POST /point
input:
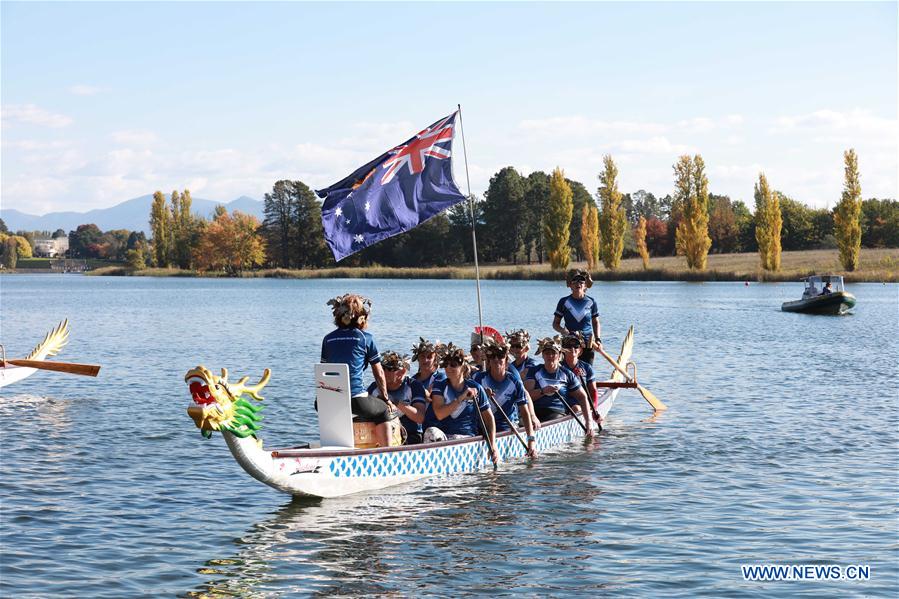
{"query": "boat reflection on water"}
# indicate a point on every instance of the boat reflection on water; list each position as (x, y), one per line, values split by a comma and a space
(406, 539)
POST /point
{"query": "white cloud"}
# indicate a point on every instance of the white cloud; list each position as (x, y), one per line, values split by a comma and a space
(857, 119)
(851, 129)
(33, 115)
(703, 124)
(31, 145)
(653, 145)
(84, 90)
(583, 127)
(736, 171)
(134, 137)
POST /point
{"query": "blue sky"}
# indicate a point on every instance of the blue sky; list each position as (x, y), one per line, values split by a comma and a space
(103, 102)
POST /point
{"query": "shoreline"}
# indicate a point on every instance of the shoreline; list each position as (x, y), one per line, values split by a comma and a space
(876, 266)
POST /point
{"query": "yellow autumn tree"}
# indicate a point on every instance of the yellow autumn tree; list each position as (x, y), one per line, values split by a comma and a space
(230, 243)
(640, 240)
(590, 234)
(847, 214)
(557, 221)
(612, 219)
(691, 191)
(768, 224)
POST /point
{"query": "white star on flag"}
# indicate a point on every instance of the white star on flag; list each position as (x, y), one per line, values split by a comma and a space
(358, 239)
(367, 205)
(346, 221)
(339, 212)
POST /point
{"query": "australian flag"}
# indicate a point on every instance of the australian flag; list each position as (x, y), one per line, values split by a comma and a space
(393, 193)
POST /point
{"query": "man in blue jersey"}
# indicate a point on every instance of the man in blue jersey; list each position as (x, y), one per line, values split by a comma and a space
(579, 312)
(547, 382)
(404, 392)
(456, 402)
(506, 392)
(349, 344)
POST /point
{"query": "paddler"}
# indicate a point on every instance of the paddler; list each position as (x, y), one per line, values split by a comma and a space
(547, 382)
(519, 342)
(404, 392)
(504, 386)
(572, 346)
(427, 355)
(456, 402)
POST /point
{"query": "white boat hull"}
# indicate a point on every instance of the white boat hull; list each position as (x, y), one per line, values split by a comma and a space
(12, 374)
(333, 472)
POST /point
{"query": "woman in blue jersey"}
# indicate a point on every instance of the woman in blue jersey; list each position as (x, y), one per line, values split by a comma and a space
(545, 383)
(579, 312)
(349, 344)
(456, 402)
(404, 392)
(572, 345)
(519, 342)
(427, 355)
(507, 392)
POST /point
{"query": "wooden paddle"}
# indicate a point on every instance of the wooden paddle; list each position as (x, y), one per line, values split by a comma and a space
(474, 401)
(509, 421)
(573, 413)
(69, 367)
(647, 395)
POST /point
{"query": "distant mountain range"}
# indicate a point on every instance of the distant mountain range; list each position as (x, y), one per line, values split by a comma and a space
(133, 215)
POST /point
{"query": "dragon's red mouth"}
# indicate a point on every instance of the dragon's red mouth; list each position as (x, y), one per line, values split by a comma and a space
(199, 392)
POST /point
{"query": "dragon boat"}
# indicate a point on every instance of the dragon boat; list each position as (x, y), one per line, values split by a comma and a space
(54, 341)
(335, 467)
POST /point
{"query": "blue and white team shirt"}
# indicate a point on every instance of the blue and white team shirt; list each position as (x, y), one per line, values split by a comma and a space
(429, 382)
(509, 393)
(352, 347)
(409, 392)
(464, 420)
(562, 378)
(525, 366)
(578, 314)
(584, 373)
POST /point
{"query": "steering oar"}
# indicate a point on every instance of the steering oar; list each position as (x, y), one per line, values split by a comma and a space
(69, 367)
(655, 402)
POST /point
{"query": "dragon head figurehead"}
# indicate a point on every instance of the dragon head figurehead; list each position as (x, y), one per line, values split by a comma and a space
(219, 406)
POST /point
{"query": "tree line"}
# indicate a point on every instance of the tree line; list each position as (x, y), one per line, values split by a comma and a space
(520, 219)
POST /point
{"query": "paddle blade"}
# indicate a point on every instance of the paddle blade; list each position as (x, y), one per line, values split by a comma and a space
(654, 401)
(83, 369)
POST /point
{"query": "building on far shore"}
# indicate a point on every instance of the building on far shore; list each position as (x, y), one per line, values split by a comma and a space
(50, 248)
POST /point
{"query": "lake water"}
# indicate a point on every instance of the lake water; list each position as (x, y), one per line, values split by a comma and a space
(781, 446)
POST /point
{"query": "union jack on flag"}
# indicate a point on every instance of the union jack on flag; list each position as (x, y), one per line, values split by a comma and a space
(414, 152)
(395, 192)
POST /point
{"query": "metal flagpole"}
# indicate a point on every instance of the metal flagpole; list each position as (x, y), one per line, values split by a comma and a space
(474, 237)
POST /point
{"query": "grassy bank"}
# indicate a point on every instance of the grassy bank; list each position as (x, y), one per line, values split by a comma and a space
(877, 265)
